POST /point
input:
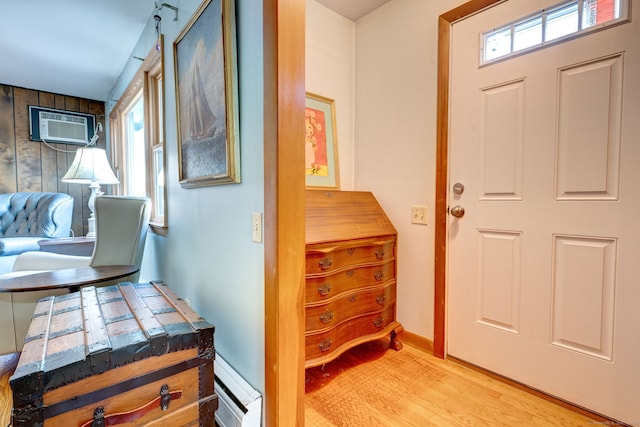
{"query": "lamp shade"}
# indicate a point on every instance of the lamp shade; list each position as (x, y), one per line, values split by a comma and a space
(90, 165)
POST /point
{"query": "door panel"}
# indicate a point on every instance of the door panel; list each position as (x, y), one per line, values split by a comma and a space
(589, 126)
(499, 283)
(501, 139)
(543, 266)
(583, 288)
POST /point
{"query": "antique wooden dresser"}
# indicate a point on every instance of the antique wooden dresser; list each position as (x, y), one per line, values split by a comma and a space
(128, 354)
(350, 295)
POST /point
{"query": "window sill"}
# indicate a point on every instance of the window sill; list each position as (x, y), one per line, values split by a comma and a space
(159, 229)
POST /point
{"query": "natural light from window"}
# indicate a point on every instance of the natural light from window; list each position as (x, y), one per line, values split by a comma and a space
(136, 149)
(563, 21)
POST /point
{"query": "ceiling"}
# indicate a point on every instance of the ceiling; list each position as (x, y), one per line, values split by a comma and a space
(353, 9)
(71, 47)
(79, 47)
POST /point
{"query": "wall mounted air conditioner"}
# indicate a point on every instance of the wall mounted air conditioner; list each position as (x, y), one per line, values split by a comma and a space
(57, 126)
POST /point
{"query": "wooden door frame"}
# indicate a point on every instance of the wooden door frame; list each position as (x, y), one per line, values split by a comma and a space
(445, 21)
(284, 93)
(284, 237)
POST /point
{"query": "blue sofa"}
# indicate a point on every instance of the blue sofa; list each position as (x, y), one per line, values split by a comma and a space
(26, 218)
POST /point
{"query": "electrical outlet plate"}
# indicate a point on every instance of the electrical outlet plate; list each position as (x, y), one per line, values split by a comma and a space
(419, 215)
(256, 227)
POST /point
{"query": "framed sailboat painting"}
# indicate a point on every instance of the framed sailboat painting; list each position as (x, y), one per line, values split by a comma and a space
(206, 81)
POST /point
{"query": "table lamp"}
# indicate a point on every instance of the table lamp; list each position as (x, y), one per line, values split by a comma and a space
(90, 166)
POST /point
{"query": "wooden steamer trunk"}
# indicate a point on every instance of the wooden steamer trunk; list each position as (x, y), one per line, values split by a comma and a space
(128, 355)
(350, 294)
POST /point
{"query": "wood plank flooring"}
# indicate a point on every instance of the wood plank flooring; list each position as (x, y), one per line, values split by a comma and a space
(8, 364)
(372, 386)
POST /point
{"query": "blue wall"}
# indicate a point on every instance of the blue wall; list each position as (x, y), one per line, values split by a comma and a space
(208, 256)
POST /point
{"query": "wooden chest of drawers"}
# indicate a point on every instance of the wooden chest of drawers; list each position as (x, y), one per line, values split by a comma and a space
(350, 295)
(129, 354)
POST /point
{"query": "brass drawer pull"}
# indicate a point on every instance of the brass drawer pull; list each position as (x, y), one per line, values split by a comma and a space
(352, 298)
(378, 322)
(381, 299)
(378, 275)
(325, 263)
(350, 273)
(324, 289)
(326, 317)
(325, 345)
(350, 251)
(380, 253)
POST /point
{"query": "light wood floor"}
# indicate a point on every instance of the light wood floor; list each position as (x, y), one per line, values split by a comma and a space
(372, 386)
(7, 366)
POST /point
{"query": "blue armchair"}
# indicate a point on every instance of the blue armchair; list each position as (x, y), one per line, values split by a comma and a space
(26, 218)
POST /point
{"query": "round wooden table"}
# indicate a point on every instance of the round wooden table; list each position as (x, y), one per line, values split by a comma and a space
(71, 278)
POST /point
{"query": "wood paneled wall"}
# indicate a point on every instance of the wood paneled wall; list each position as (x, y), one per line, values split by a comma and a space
(27, 165)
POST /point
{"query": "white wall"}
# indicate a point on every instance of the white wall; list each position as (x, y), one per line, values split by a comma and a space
(208, 256)
(394, 113)
(395, 139)
(329, 71)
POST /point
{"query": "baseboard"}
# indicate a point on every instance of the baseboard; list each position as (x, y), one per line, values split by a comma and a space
(415, 340)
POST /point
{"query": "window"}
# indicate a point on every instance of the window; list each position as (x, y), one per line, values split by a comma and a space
(137, 137)
(561, 22)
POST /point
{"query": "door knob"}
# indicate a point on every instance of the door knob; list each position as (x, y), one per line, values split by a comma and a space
(457, 211)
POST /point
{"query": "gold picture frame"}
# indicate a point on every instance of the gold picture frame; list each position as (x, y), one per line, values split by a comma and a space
(321, 143)
(206, 83)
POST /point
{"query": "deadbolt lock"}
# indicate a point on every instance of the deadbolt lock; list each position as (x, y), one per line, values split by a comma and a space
(458, 188)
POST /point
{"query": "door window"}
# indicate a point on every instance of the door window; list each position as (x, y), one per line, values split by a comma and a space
(559, 23)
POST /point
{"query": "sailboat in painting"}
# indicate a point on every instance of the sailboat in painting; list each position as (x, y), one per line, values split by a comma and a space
(203, 121)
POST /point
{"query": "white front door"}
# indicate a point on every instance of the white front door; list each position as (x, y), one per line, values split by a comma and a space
(544, 266)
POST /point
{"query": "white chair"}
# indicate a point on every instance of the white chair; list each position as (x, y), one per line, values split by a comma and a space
(121, 230)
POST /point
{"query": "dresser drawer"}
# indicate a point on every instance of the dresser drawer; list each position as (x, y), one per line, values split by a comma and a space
(325, 259)
(349, 305)
(324, 288)
(348, 334)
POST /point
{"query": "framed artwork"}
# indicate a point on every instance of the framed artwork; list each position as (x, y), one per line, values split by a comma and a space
(207, 97)
(321, 145)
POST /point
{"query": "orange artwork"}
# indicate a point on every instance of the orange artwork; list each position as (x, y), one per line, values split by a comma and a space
(315, 143)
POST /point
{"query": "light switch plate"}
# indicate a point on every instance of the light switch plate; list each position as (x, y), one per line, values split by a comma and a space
(419, 215)
(256, 227)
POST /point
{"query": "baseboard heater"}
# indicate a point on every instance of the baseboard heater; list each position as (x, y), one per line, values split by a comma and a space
(239, 404)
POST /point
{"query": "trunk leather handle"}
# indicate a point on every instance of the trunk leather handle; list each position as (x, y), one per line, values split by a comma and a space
(162, 401)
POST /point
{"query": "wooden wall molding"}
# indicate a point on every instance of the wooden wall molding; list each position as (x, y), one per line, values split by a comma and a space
(284, 221)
